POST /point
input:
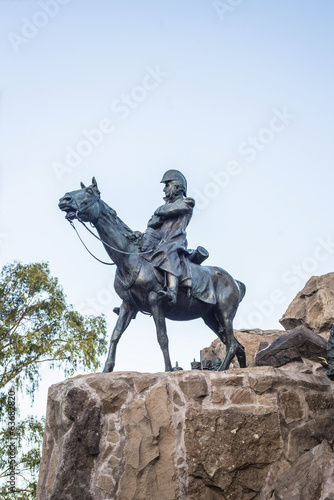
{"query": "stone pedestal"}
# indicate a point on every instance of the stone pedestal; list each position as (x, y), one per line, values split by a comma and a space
(187, 435)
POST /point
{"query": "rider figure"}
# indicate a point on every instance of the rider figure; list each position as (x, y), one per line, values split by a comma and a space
(166, 235)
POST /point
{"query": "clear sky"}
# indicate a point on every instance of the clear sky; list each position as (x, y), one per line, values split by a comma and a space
(238, 95)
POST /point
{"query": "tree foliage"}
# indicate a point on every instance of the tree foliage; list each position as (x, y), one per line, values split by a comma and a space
(29, 437)
(38, 326)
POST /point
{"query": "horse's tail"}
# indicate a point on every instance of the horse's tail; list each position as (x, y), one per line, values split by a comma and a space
(242, 288)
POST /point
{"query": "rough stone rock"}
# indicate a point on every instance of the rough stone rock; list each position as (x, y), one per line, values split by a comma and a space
(313, 307)
(250, 339)
(76, 421)
(296, 345)
(221, 443)
(185, 435)
(310, 477)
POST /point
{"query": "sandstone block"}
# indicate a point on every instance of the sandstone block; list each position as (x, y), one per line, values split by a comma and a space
(242, 396)
(292, 406)
(113, 393)
(309, 434)
(195, 386)
(222, 443)
(317, 403)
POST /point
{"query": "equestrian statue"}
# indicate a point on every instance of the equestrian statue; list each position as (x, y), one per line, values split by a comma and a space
(156, 273)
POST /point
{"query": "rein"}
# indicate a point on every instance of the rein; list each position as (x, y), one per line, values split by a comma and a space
(96, 258)
(100, 239)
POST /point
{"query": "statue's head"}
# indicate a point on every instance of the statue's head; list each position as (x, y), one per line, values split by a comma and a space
(175, 184)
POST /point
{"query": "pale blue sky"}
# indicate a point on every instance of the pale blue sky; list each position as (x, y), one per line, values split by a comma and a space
(221, 83)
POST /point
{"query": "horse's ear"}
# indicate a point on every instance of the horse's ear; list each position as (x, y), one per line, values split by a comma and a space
(94, 184)
(82, 185)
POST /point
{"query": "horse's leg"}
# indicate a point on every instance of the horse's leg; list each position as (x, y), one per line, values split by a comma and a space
(233, 347)
(230, 340)
(160, 324)
(126, 314)
(211, 321)
(241, 355)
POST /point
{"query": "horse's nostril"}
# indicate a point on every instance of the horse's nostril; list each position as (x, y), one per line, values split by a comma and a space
(66, 199)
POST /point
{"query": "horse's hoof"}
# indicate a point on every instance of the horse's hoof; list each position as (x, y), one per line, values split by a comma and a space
(107, 369)
(223, 368)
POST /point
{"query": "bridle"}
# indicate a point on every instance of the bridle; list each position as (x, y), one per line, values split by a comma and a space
(84, 207)
(95, 199)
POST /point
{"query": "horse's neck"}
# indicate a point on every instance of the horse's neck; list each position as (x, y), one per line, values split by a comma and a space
(114, 232)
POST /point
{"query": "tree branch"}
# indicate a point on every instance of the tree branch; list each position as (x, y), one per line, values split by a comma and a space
(33, 333)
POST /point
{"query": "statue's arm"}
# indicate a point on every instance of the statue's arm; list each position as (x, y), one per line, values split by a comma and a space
(154, 222)
(179, 207)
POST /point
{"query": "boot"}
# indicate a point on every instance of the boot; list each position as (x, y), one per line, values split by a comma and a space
(171, 293)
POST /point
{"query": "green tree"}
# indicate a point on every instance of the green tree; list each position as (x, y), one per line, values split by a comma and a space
(37, 326)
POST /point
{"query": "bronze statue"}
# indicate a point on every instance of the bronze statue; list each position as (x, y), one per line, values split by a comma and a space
(156, 273)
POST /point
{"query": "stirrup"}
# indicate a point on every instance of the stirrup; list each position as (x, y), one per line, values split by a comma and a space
(170, 295)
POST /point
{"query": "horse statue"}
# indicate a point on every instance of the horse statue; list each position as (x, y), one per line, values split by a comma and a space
(137, 283)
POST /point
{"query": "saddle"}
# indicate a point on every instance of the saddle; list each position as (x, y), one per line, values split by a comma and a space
(202, 286)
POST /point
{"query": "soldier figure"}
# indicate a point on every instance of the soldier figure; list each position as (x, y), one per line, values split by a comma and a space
(166, 235)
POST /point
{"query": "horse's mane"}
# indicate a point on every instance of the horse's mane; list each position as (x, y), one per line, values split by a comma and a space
(126, 231)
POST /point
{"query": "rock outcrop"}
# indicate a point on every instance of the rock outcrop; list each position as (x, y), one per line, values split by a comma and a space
(313, 307)
(250, 339)
(297, 345)
(237, 435)
(310, 477)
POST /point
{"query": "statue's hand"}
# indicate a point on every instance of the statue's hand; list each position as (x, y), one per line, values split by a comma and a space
(136, 236)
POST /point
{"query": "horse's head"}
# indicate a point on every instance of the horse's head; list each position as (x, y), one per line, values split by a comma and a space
(83, 203)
